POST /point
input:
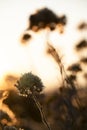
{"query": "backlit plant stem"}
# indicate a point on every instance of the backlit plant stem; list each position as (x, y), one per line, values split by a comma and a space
(41, 112)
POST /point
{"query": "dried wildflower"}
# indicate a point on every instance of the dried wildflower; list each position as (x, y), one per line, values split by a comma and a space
(75, 68)
(82, 44)
(45, 18)
(82, 26)
(72, 77)
(29, 83)
(84, 60)
(26, 36)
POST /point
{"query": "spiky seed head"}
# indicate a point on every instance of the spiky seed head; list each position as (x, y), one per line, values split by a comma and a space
(29, 83)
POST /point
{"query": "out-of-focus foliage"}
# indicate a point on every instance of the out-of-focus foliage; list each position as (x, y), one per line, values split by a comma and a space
(45, 18)
(64, 109)
(81, 45)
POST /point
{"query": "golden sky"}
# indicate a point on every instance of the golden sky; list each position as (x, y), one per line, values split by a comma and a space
(15, 58)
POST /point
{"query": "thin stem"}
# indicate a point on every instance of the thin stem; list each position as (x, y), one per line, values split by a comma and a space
(41, 112)
(53, 52)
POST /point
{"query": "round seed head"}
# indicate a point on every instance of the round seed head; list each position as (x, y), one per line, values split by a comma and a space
(29, 83)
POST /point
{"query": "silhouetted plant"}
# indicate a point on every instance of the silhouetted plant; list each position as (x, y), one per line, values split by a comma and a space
(45, 18)
(31, 84)
(26, 37)
(81, 45)
(82, 26)
(84, 60)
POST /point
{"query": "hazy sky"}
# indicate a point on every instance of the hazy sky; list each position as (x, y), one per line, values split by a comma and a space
(14, 16)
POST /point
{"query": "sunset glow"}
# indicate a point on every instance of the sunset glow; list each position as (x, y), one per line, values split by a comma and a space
(17, 59)
(43, 64)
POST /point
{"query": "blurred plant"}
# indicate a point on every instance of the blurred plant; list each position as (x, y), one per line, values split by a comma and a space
(81, 45)
(45, 18)
(10, 128)
(30, 84)
(82, 26)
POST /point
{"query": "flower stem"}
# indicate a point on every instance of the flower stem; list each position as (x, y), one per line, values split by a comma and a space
(41, 112)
